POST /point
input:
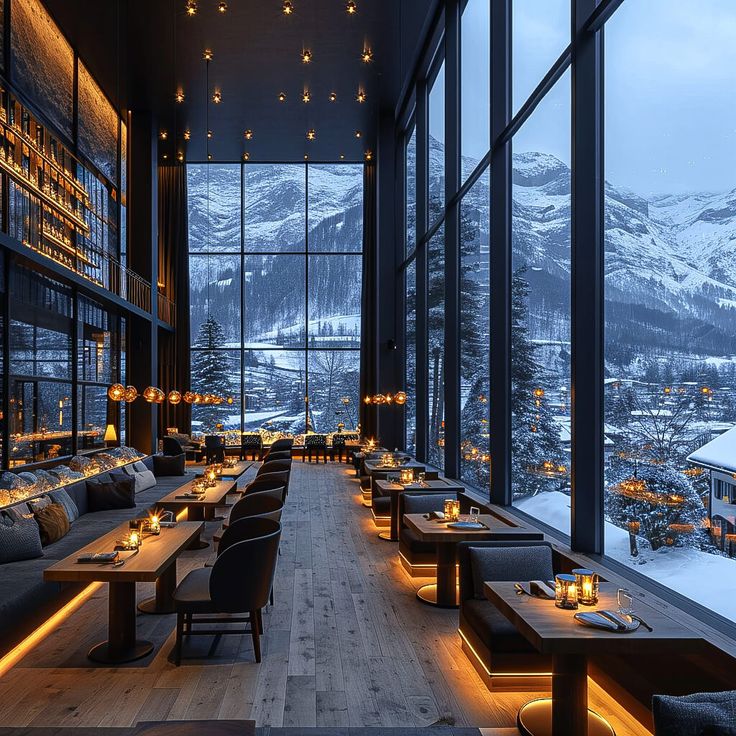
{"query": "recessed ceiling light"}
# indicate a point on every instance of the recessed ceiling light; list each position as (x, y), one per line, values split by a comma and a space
(287, 8)
(367, 56)
(311, 134)
(222, 6)
(351, 8)
(306, 56)
(207, 55)
(248, 134)
(369, 155)
(217, 97)
(179, 96)
(358, 134)
(163, 135)
(333, 96)
(282, 96)
(246, 156)
(360, 97)
(191, 8)
(306, 97)
(187, 134)
(209, 134)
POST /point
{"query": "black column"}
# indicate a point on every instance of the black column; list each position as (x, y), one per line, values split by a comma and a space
(500, 254)
(587, 283)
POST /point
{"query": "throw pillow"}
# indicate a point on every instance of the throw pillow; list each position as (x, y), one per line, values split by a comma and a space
(114, 494)
(20, 539)
(139, 467)
(169, 465)
(38, 503)
(53, 523)
(61, 497)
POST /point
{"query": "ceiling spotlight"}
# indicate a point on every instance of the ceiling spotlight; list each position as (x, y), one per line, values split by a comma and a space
(360, 97)
(342, 157)
(179, 96)
(287, 8)
(217, 97)
(306, 56)
(209, 157)
(163, 135)
(369, 155)
(333, 96)
(306, 97)
(351, 8)
(248, 134)
(367, 56)
(209, 134)
(282, 96)
(207, 55)
(191, 8)
(306, 156)
(187, 134)
(180, 156)
(246, 156)
(222, 6)
(358, 134)
(311, 134)
(165, 156)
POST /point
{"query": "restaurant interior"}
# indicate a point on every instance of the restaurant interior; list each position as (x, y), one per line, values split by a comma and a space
(367, 367)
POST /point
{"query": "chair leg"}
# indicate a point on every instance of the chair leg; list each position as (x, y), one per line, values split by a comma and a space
(255, 633)
(259, 614)
(179, 636)
(271, 598)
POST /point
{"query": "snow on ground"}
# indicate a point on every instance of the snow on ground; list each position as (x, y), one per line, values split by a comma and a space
(705, 578)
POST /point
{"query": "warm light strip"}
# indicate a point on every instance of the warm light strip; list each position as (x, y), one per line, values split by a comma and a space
(499, 674)
(183, 515)
(29, 643)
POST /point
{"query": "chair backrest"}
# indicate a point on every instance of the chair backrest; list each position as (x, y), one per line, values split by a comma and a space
(277, 493)
(283, 444)
(338, 440)
(279, 455)
(171, 446)
(422, 502)
(251, 439)
(245, 527)
(213, 442)
(274, 466)
(315, 440)
(281, 477)
(257, 504)
(266, 483)
(242, 575)
(502, 561)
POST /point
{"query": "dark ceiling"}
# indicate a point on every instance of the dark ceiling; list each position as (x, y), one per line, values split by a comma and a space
(256, 55)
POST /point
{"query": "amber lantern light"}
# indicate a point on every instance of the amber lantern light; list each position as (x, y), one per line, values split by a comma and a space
(406, 476)
(587, 586)
(566, 591)
(400, 398)
(174, 397)
(116, 392)
(131, 394)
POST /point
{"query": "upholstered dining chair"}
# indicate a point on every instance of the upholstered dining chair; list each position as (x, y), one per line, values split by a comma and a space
(256, 504)
(286, 443)
(281, 477)
(315, 444)
(214, 448)
(238, 583)
(171, 446)
(278, 455)
(274, 466)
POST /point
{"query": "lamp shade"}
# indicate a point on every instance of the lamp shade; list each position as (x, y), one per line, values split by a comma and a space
(131, 394)
(116, 392)
(110, 434)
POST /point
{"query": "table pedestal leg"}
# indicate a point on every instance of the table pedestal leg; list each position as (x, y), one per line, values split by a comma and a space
(443, 593)
(566, 713)
(163, 601)
(121, 645)
(197, 513)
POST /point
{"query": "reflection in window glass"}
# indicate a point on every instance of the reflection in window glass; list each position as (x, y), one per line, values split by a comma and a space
(411, 357)
(540, 311)
(436, 348)
(475, 85)
(213, 192)
(218, 372)
(334, 301)
(274, 391)
(670, 389)
(214, 290)
(475, 335)
(437, 146)
(98, 125)
(334, 390)
(92, 418)
(335, 208)
(411, 192)
(540, 33)
(274, 207)
(274, 301)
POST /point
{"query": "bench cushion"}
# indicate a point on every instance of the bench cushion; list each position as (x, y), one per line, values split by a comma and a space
(493, 628)
(690, 715)
(509, 563)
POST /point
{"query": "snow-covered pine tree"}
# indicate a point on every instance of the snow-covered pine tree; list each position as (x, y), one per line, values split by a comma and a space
(535, 438)
(211, 373)
(474, 444)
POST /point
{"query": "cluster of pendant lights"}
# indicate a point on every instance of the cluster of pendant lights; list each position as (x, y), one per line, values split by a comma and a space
(399, 398)
(287, 8)
(154, 395)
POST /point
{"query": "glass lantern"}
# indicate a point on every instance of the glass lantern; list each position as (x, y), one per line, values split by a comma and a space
(566, 591)
(587, 586)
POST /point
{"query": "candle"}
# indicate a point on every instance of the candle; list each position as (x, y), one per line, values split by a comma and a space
(154, 524)
(406, 476)
(587, 586)
(566, 591)
(134, 540)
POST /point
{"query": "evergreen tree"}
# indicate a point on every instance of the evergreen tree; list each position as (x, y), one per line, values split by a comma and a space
(474, 446)
(211, 374)
(537, 457)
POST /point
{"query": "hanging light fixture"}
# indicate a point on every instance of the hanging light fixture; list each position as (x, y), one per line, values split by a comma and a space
(179, 96)
(367, 55)
(360, 96)
(187, 134)
(174, 397)
(306, 56)
(306, 96)
(287, 8)
(151, 394)
(217, 97)
(189, 397)
(222, 7)
(207, 55)
(191, 8)
(358, 134)
(163, 135)
(311, 134)
(209, 135)
(333, 96)
(369, 155)
(351, 8)
(246, 156)
(116, 392)
(248, 135)
(131, 394)
(282, 96)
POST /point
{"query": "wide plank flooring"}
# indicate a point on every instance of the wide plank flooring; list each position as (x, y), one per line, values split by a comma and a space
(347, 644)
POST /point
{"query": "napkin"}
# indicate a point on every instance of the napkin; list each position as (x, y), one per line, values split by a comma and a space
(607, 620)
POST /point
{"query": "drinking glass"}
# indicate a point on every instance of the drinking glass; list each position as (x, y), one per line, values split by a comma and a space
(420, 478)
(625, 602)
(474, 514)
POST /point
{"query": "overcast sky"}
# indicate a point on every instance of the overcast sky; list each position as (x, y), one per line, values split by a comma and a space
(670, 90)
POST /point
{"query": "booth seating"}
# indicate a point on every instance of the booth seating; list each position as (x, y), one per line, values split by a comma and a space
(417, 557)
(501, 655)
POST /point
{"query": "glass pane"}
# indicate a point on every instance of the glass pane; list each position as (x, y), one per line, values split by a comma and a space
(436, 354)
(334, 390)
(214, 207)
(98, 126)
(670, 294)
(98, 346)
(92, 417)
(437, 146)
(540, 312)
(214, 290)
(217, 372)
(411, 192)
(274, 301)
(540, 33)
(275, 389)
(274, 204)
(334, 301)
(475, 85)
(335, 210)
(411, 358)
(475, 335)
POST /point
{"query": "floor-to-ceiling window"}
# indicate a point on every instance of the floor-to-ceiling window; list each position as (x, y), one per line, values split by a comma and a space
(410, 287)
(275, 289)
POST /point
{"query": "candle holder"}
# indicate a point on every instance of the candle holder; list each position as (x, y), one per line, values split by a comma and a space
(406, 476)
(153, 525)
(452, 509)
(587, 586)
(566, 591)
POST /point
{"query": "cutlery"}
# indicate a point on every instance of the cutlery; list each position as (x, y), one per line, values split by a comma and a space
(642, 622)
(610, 617)
(121, 562)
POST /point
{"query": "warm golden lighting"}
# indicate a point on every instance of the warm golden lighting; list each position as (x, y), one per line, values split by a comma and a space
(333, 96)
(306, 97)
(222, 7)
(187, 134)
(400, 398)
(311, 134)
(209, 134)
(406, 476)
(153, 395)
(342, 157)
(358, 134)
(367, 55)
(246, 156)
(230, 400)
(110, 434)
(217, 97)
(351, 8)
(587, 586)
(179, 96)
(131, 394)
(306, 156)
(566, 591)
(248, 134)
(209, 157)
(189, 397)
(180, 156)
(116, 392)
(207, 55)
(154, 524)
(163, 135)
(369, 155)
(174, 397)
(282, 96)
(360, 97)
(191, 8)
(306, 56)
(287, 8)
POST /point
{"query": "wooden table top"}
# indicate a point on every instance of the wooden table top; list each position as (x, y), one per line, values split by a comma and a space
(237, 470)
(553, 630)
(438, 531)
(438, 484)
(211, 497)
(154, 556)
(373, 466)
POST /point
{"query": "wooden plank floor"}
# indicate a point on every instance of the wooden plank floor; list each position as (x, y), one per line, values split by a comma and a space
(346, 644)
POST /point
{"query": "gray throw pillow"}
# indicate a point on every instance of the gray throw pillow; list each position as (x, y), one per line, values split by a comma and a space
(691, 715)
(61, 497)
(139, 467)
(41, 502)
(20, 539)
(509, 564)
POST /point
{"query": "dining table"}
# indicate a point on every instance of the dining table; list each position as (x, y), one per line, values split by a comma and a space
(555, 631)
